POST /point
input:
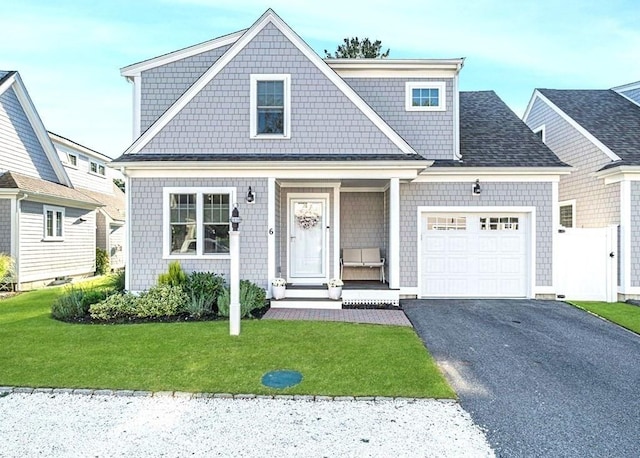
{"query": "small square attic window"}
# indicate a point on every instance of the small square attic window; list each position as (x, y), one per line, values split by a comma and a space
(425, 96)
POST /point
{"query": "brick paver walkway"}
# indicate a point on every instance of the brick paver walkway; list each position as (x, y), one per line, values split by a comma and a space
(388, 317)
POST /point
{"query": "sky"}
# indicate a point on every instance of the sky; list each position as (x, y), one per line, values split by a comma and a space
(69, 52)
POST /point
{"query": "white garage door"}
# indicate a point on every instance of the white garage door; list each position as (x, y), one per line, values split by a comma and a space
(474, 255)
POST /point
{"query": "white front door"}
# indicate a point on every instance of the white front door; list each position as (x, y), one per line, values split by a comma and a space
(308, 240)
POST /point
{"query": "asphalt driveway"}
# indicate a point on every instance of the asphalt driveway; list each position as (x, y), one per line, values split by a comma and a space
(542, 377)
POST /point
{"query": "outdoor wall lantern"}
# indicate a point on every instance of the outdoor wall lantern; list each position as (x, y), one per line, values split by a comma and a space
(477, 190)
(251, 197)
(235, 218)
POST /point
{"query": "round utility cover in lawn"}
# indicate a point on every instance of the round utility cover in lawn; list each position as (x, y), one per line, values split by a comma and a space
(281, 379)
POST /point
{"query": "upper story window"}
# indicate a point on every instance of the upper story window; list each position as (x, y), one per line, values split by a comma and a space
(197, 221)
(97, 168)
(53, 223)
(425, 96)
(270, 106)
(72, 160)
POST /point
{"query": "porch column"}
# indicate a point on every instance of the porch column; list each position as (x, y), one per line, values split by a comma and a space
(271, 233)
(394, 233)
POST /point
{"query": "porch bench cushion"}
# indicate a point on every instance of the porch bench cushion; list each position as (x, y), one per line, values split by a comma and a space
(362, 257)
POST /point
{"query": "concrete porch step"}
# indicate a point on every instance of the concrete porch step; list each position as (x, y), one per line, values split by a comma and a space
(306, 303)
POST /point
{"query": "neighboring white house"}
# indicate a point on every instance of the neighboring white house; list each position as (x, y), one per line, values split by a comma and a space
(46, 225)
(320, 156)
(598, 133)
(89, 173)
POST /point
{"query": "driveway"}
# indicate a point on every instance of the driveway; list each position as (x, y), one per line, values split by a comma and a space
(542, 377)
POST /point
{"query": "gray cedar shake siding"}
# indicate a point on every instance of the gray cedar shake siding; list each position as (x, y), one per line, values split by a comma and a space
(146, 220)
(635, 233)
(284, 219)
(593, 198)
(5, 226)
(429, 132)
(323, 119)
(162, 86)
(534, 194)
(43, 260)
(20, 150)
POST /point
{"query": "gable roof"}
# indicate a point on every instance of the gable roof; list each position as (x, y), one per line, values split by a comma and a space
(491, 135)
(611, 118)
(43, 188)
(113, 203)
(78, 147)
(12, 80)
(269, 17)
(137, 68)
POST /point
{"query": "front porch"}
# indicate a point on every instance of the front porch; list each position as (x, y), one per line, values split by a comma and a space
(315, 222)
(354, 292)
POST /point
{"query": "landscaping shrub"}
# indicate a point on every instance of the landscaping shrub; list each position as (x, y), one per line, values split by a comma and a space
(161, 301)
(119, 281)
(6, 267)
(202, 289)
(70, 306)
(252, 297)
(174, 277)
(114, 307)
(103, 265)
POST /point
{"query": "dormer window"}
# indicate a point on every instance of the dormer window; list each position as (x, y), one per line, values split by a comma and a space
(97, 168)
(270, 106)
(72, 160)
(425, 96)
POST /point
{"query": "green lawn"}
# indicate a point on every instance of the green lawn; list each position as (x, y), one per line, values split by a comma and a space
(626, 315)
(334, 358)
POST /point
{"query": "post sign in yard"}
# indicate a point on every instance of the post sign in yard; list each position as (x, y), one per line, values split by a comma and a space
(586, 264)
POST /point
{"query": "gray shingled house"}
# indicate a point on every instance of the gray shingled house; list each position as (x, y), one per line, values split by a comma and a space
(598, 133)
(330, 162)
(47, 226)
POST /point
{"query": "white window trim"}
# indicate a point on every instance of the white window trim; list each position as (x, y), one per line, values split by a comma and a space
(253, 118)
(166, 220)
(53, 238)
(566, 203)
(440, 85)
(543, 129)
(98, 164)
(69, 163)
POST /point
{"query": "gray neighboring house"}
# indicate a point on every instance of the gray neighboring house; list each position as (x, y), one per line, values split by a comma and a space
(320, 156)
(598, 133)
(46, 225)
(89, 173)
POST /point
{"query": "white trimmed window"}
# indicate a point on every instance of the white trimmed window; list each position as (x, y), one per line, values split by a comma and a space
(72, 160)
(425, 96)
(53, 223)
(196, 222)
(568, 213)
(97, 168)
(270, 106)
(502, 223)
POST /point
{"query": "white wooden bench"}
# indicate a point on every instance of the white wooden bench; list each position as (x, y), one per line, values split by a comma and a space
(362, 257)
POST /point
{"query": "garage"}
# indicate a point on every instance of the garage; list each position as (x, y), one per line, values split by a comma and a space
(474, 254)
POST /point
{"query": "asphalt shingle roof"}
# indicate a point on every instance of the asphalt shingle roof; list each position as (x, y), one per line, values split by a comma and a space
(113, 203)
(491, 135)
(608, 116)
(13, 180)
(250, 157)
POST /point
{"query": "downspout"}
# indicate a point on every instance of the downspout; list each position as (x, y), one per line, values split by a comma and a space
(456, 115)
(16, 248)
